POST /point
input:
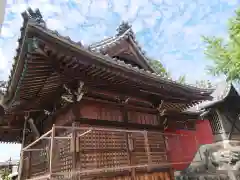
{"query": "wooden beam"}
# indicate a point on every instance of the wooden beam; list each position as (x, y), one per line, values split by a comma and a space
(116, 104)
(61, 45)
(74, 153)
(33, 128)
(117, 124)
(182, 92)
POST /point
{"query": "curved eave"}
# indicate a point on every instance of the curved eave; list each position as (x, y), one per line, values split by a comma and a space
(20, 64)
(37, 27)
(51, 37)
(220, 94)
(222, 98)
(17, 67)
(11, 137)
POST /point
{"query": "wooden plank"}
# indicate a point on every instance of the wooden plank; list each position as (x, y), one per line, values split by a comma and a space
(128, 141)
(115, 124)
(147, 148)
(74, 160)
(51, 150)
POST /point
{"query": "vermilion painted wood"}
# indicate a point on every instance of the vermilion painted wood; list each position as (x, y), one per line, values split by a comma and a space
(183, 148)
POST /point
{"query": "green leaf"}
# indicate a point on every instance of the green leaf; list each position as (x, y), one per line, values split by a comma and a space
(225, 55)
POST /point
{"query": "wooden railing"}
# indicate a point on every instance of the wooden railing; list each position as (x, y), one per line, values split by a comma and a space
(73, 152)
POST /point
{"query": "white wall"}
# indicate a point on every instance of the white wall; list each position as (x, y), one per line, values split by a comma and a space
(14, 169)
(2, 11)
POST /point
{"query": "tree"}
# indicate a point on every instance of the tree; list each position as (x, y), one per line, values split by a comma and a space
(182, 79)
(5, 173)
(159, 68)
(225, 54)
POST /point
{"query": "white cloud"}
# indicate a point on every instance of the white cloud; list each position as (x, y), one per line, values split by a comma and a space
(3, 64)
(231, 2)
(55, 24)
(6, 32)
(84, 7)
(172, 37)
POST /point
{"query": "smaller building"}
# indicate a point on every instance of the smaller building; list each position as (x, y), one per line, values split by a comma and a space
(10, 166)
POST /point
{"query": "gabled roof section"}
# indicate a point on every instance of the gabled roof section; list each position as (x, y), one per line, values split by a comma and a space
(124, 46)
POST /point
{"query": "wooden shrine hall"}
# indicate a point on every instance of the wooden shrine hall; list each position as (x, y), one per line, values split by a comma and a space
(92, 112)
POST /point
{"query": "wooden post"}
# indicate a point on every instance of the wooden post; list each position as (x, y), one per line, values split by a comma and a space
(29, 162)
(73, 144)
(22, 152)
(129, 152)
(171, 173)
(147, 149)
(128, 139)
(51, 151)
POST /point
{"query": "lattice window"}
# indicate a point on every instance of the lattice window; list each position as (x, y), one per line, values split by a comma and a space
(215, 123)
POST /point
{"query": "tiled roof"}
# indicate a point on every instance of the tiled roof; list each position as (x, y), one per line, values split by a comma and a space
(219, 94)
(34, 20)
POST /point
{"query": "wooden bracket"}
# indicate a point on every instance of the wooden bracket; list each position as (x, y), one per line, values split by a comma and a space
(73, 96)
(33, 127)
(160, 108)
(79, 93)
(161, 113)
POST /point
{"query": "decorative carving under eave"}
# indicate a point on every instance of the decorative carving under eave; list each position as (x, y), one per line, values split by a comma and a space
(46, 112)
(160, 108)
(165, 123)
(34, 128)
(73, 95)
(79, 93)
(123, 100)
(33, 16)
(162, 111)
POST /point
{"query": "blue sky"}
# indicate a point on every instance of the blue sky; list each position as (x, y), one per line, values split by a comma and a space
(168, 30)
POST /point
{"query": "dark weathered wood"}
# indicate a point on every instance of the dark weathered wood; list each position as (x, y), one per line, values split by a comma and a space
(128, 138)
(93, 61)
(74, 153)
(147, 149)
(124, 125)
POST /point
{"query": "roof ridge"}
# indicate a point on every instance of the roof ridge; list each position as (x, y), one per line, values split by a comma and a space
(111, 41)
(95, 44)
(121, 31)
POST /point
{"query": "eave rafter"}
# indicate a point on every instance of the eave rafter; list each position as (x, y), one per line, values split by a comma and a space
(95, 58)
(82, 66)
(62, 61)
